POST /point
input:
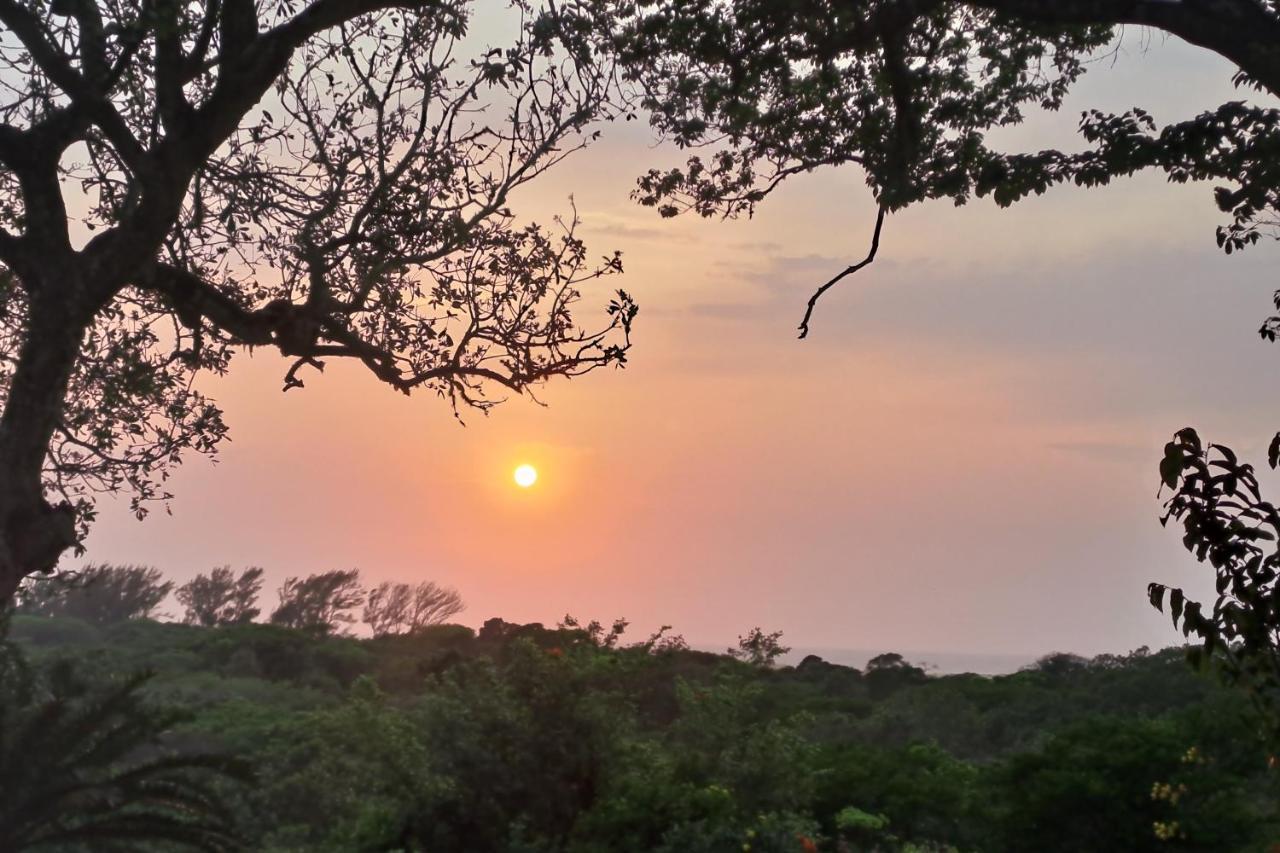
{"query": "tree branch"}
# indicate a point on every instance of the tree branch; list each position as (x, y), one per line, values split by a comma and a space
(194, 298)
(871, 256)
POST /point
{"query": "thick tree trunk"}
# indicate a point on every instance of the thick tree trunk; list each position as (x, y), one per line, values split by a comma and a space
(33, 533)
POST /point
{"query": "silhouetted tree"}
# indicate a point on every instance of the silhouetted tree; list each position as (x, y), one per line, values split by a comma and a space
(321, 602)
(662, 641)
(760, 649)
(1226, 522)
(1058, 664)
(387, 609)
(401, 608)
(100, 594)
(908, 91)
(86, 766)
(595, 632)
(889, 672)
(221, 598)
(179, 181)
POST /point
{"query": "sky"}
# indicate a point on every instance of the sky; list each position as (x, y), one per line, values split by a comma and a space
(961, 457)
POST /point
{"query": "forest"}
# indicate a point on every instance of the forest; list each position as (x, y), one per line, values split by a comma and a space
(221, 732)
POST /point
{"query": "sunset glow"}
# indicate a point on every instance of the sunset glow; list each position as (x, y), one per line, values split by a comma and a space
(727, 452)
(526, 476)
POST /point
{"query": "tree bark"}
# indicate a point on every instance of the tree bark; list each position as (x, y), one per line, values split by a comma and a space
(34, 533)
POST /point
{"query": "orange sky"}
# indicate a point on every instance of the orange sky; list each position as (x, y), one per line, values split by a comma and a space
(962, 456)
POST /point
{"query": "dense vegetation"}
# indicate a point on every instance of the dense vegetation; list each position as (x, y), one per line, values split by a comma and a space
(519, 737)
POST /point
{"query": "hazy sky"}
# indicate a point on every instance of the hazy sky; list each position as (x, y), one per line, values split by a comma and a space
(961, 457)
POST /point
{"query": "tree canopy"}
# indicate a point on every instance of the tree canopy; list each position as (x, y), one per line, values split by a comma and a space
(578, 739)
(909, 90)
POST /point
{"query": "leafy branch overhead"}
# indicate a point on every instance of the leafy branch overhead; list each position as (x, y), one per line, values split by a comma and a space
(179, 181)
(909, 91)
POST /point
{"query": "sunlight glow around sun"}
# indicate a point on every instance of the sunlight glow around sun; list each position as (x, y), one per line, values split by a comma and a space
(526, 476)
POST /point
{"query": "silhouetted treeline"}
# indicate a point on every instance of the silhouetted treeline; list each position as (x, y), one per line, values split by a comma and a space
(322, 603)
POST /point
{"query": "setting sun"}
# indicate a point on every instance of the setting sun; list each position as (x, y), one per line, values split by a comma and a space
(526, 476)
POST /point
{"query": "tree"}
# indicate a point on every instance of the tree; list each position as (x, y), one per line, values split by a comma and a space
(331, 179)
(99, 594)
(889, 672)
(85, 763)
(595, 634)
(220, 598)
(1117, 784)
(760, 649)
(401, 608)
(320, 603)
(1226, 522)
(908, 90)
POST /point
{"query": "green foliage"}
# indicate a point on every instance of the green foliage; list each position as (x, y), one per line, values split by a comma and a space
(526, 744)
(361, 767)
(1120, 781)
(50, 631)
(525, 738)
(91, 763)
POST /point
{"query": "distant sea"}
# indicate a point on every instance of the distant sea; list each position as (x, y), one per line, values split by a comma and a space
(935, 663)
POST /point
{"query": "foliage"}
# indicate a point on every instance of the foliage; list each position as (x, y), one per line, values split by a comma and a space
(760, 649)
(1144, 786)
(89, 763)
(401, 608)
(890, 671)
(98, 594)
(321, 602)
(362, 763)
(522, 737)
(912, 92)
(1217, 500)
(595, 633)
(220, 598)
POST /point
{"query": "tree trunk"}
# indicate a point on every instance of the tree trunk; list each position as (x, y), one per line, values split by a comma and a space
(33, 533)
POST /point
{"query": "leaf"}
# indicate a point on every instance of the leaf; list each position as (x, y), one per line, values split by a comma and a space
(1171, 464)
(1155, 593)
(1189, 437)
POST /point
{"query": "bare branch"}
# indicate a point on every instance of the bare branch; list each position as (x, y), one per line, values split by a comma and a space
(847, 271)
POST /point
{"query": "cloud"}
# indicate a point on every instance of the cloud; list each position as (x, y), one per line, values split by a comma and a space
(1108, 451)
(613, 226)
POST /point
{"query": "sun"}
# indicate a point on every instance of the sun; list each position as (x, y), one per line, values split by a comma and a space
(526, 476)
